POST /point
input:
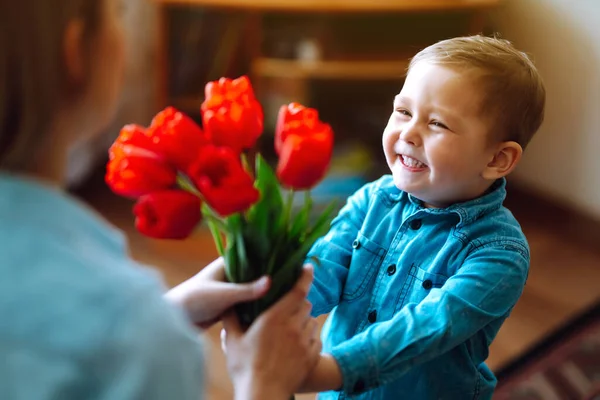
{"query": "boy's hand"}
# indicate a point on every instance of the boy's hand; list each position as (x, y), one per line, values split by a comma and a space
(207, 295)
(273, 357)
(324, 377)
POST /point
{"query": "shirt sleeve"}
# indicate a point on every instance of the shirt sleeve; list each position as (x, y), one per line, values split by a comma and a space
(151, 353)
(334, 252)
(484, 289)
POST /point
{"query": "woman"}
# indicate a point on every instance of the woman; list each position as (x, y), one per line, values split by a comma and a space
(80, 320)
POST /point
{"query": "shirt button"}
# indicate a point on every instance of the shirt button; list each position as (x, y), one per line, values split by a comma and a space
(356, 244)
(427, 284)
(372, 316)
(359, 386)
(415, 224)
(391, 270)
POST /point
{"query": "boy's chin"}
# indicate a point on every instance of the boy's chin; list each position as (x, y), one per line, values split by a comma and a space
(408, 185)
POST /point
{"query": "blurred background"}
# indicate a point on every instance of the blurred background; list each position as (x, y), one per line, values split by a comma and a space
(347, 58)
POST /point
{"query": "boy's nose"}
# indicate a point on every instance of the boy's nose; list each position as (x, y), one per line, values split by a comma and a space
(410, 134)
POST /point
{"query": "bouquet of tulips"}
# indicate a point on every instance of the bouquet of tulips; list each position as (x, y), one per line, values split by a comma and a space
(180, 174)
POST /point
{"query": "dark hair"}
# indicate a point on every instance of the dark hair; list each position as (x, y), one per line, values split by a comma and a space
(32, 74)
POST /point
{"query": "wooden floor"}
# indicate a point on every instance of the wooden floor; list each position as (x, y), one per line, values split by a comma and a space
(564, 278)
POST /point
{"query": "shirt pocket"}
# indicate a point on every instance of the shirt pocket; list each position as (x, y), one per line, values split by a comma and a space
(418, 285)
(366, 259)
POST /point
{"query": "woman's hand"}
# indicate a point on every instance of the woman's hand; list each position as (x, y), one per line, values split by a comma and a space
(274, 356)
(207, 295)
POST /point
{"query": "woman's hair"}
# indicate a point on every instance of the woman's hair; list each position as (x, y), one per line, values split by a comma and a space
(514, 91)
(33, 82)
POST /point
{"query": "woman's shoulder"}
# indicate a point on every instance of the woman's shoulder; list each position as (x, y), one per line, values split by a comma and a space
(93, 329)
(76, 295)
(105, 321)
(68, 285)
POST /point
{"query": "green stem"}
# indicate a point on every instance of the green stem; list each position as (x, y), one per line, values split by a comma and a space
(272, 258)
(210, 215)
(186, 185)
(288, 209)
(307, 206)
(216, 234)
(287, 212)
(216, 226)
(245, 163)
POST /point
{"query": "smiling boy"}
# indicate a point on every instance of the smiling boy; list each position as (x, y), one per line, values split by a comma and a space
(421, 267)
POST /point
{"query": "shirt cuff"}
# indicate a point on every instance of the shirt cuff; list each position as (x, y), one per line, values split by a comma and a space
(358, 365)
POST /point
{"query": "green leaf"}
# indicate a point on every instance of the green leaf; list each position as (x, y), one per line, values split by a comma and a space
(300, 222)
(237, 246)
(240, 246)
(216, 227)
(281, 282)
(232, 260)
(319, 229)
(231, 264)
(322, 223)
(258, 250)
(266, 214)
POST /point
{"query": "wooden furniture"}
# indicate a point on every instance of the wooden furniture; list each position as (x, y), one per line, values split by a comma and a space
(264, 66)
(339, 5)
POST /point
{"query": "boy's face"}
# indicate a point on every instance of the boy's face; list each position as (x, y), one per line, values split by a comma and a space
(437, 140)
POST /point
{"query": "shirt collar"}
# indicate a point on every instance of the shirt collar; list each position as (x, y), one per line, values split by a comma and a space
(471, 210)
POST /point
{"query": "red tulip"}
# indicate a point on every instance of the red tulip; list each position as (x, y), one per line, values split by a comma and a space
(133, 135)
(168, 214)
(226, 186)
(291, 119)
(176, 137)
(134, 169)
(231, 114)
(304, 145)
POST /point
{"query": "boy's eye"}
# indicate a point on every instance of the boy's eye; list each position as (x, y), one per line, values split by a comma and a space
(439, 124)
(403, 111)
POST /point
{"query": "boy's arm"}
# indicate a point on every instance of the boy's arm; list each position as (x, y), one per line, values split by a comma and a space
(334, 252)
(485, 288)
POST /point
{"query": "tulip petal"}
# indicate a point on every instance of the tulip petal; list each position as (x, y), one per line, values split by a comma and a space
(169, 214)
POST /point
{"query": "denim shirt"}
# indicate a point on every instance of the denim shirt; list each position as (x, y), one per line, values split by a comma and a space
(80, 320)
(416, 294)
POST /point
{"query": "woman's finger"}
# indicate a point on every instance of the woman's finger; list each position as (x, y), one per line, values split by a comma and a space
(231, 325)
(242, 292)
(224, 341)
(302, 316)
(215, 270)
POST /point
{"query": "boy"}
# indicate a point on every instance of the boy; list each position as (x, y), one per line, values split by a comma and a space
(421, 267)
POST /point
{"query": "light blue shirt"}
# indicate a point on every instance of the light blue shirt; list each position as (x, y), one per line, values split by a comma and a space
(79, 319)
(417, 295)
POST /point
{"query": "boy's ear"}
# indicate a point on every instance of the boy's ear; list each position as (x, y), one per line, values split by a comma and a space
(506, 158)
(74, 52)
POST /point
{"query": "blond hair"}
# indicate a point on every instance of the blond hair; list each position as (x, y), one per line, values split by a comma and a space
(32, 75)
(514, 90)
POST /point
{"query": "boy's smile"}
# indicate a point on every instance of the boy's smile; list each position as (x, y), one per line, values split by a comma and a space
(412, 164)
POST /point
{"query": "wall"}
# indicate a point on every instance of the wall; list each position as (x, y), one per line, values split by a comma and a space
(563, 36)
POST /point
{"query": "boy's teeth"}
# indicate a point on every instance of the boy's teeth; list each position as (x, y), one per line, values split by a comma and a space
(411, 162)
